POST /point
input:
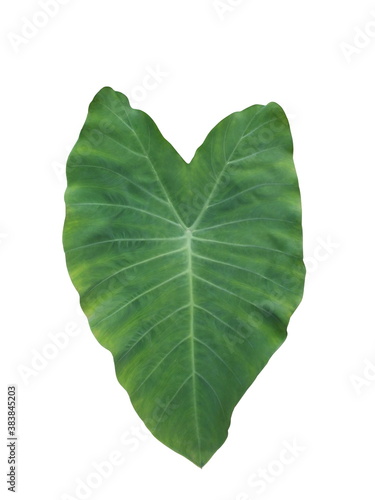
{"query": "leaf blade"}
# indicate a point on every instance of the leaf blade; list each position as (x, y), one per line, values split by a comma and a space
(183, 269)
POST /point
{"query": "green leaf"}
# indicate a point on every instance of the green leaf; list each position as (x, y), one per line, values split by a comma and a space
(188, 273)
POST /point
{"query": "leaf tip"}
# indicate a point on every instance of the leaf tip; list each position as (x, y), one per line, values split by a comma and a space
(278, 111)
(108, 93)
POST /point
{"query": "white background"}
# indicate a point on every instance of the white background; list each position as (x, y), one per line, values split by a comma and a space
(317, 392)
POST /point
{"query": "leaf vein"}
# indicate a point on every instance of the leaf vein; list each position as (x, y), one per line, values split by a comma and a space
(138, 297)
(134, 265)
(239, 297)
(125, 239)
(249, 189)
(213, 391)
(150, 329)
(126, 206)
(170, 401)
(126, 178)
(244, 245)
(226, 324)
(147, 157)
(227, 162)
(241, 268)
(160, 362)
(243, 220)
(221, 359)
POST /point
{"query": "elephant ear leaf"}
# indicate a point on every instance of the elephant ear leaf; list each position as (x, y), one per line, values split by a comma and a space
(187, 273)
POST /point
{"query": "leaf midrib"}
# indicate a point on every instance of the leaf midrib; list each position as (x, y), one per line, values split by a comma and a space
(192, 337)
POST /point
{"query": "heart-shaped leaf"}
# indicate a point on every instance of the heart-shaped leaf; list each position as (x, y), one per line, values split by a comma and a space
(188, 273)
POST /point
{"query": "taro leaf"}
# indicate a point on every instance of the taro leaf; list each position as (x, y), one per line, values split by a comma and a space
(188, 273)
